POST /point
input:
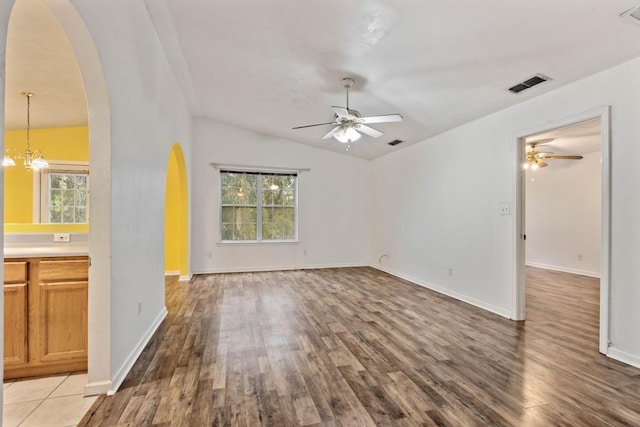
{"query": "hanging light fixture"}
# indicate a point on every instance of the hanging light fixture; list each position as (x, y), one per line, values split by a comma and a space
(32, 158)
(346, 134)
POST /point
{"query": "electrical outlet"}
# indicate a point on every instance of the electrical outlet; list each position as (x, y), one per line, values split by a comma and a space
(61, 237)
(450, 269)
(504, 209)
(139, 308)
(579, 257)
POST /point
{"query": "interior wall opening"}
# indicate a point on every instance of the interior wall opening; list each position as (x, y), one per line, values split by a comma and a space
(563, 220)
(176, 216)
(50, 52)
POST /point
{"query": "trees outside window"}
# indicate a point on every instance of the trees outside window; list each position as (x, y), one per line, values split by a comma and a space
(257, 206)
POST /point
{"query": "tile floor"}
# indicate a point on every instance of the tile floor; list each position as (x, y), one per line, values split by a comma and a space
(46, 402)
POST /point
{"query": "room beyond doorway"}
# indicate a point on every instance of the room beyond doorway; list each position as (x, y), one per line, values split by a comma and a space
(562, 214)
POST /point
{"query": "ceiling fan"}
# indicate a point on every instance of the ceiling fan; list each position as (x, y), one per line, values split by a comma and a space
(537, 159)
(349, 123)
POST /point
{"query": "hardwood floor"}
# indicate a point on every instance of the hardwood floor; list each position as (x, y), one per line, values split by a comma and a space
(357, 347)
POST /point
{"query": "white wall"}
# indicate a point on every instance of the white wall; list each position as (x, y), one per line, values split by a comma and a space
(148, 114)
(333, 203)
(436, 203)
(562, 217)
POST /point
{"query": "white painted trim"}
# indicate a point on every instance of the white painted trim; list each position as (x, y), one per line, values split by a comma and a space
(624, 357)
(185, 278)
(518, 301)
(96, 388)
(477, 303)
(98, 105)
(172, 272)
(276, 268)
(605, 246)
(133, 356)
(564, 269)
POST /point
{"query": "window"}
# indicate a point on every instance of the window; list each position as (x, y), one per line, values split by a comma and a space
(64, 194)
(258, 206)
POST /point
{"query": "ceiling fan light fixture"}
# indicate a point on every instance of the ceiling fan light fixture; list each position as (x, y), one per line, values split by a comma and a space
(347, 134)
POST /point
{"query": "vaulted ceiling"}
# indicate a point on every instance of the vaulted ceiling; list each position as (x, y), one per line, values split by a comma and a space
(270, 65)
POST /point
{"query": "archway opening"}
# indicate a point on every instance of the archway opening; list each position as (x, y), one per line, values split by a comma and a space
(97, 106)
(177, 215)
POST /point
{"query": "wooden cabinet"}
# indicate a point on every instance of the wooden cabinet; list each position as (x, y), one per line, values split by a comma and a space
(45, 315)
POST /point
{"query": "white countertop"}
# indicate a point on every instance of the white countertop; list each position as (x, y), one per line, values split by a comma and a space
(42, 251)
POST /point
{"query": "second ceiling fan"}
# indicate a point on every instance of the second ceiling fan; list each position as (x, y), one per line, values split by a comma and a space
(537, 159)
(349, 123)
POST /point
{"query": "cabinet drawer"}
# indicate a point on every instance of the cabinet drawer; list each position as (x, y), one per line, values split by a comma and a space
(15, 271)
(67, 270)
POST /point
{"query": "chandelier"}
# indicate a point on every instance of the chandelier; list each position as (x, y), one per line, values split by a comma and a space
(32, 158)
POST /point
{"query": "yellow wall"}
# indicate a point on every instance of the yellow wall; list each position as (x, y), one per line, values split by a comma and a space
(71, 143)
(176, 231)
(172, 217)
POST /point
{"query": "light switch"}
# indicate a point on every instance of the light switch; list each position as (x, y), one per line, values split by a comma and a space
(505, 209)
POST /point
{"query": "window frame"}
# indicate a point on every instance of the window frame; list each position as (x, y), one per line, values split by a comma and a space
(258, 206)
(41, 189)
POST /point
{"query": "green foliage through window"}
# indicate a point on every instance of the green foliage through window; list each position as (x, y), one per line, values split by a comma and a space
(258, 206)
(68, 198)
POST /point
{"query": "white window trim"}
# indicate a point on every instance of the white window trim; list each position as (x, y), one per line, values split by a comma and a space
(40, 198)
(265, 171)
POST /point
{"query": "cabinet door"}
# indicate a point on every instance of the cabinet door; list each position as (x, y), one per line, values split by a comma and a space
(63, 320)
(15, 324)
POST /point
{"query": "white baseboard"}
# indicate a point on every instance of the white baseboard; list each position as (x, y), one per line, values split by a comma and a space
(172, 273)
(185, 278)
(564, 269)
(133, 356)
(480, 304)
(623, 357)
(275, 268)
(96, 388)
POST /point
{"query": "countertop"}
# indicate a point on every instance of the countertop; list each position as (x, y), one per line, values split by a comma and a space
(42, 251)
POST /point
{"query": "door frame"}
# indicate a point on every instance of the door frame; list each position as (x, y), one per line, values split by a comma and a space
(518, 303)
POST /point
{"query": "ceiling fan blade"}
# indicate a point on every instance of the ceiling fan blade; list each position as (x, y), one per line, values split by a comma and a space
(310, 126)
(381, 119)
(564, 157)
(542, 164)
(368, 131)
(331, 132)
(342, 112)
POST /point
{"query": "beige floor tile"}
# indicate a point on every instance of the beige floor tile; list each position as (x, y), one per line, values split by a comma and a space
(6, 384)
(73, 384)
(59, 412)
(15, 413)
(27, 390)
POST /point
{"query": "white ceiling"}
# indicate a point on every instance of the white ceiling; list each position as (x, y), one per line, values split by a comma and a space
(578, 139)
(270, 65)
(40, 60)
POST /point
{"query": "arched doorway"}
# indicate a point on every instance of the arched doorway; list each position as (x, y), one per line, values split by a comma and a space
(177, 216)
(99, 311)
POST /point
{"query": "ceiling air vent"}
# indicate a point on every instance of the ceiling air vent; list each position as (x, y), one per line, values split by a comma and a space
(529, 83)
(395, 142)
(632, 15)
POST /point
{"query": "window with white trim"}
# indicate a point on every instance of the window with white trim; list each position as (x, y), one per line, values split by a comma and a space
(64, 194)
(258, 206)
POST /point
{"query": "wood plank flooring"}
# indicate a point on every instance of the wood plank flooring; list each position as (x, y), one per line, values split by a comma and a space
(358, 347)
